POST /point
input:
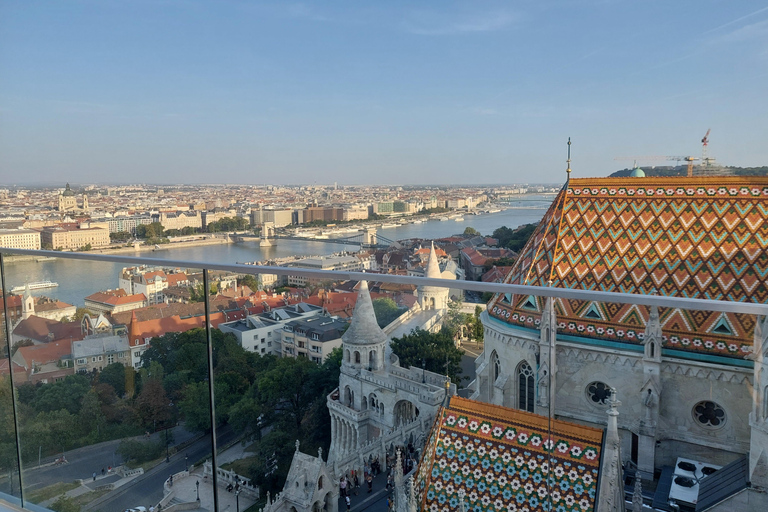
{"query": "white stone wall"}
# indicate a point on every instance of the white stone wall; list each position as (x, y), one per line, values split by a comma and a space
(684, 384)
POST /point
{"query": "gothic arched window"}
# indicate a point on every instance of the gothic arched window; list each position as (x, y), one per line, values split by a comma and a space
(357, 357)
(496, 366)
(525, 387)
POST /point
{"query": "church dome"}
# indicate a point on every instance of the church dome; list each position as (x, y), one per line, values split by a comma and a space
(637, 173)
(68, 191)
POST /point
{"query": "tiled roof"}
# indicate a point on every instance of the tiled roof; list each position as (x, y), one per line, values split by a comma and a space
(700, 237)
(501, 457)
(37, 329)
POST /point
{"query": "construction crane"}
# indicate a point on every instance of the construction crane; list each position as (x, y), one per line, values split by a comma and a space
(647, 158)
(705, 160)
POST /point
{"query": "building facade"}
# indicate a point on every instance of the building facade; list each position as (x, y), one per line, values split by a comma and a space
(691, 382)
(20, 239)
(313, 338)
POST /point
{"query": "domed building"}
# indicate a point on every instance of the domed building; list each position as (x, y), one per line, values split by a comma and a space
(68, 201)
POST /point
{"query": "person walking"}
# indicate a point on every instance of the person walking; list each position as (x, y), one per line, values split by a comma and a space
(343, 486)
(94, 476)
(370, 483)
(348, 502)
(357, 484)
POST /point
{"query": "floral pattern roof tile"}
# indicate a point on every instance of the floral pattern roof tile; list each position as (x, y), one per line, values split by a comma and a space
(505, 459)
(701, 237)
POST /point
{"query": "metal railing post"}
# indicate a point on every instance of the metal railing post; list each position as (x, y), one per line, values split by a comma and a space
(211, 404)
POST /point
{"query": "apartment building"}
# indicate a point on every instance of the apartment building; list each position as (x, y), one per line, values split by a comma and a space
(262, 333)
(73, 238)
(349, 263)
(20, 239)
(313, 338)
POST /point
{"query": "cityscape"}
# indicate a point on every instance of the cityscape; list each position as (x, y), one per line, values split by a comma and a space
(383, 257)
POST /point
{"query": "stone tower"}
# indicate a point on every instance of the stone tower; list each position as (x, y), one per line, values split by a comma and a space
(433, 297)
(27, 304)
(378, 404)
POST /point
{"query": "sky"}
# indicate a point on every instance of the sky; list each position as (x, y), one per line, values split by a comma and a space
(374, 92)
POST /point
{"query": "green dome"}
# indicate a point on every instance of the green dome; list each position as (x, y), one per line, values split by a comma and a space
(68, 191)
(637, 173)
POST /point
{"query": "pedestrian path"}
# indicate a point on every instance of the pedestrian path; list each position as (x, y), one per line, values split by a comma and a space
(376, 501)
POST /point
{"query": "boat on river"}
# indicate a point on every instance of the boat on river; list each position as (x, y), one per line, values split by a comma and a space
(38, 285)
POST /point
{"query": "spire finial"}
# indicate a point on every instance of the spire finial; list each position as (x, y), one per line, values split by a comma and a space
(568, 170)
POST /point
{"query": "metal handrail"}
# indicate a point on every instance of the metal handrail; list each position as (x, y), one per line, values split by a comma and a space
(750, 308)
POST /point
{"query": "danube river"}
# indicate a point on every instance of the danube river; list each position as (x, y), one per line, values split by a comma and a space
(78, 279)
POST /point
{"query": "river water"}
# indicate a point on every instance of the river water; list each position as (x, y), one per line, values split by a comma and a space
(78, 279)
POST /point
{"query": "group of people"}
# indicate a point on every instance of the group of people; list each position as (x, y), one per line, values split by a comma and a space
(351, 483)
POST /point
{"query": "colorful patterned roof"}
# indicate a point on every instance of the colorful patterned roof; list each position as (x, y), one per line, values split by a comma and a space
(501, 459)
(701, 237)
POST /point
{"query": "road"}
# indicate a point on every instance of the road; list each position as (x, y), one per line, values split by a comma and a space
(471, 351)
(147, 489)
(82, 463)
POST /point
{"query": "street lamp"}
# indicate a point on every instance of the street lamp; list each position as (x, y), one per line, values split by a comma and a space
(423, 370)
(197, 489)
(186, 463)
(237, 500)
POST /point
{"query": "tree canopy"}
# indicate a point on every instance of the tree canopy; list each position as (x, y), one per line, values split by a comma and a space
(386, 311)
(514, 239)
(436, 352)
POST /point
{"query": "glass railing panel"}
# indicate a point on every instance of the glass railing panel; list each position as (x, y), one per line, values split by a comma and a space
(10, 482)
(102, 415)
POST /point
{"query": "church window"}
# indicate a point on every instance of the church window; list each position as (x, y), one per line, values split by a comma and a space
(592, 312)
(357, 357)
(722, 327)
(496, 367)
(530, 303)
(598, 393)
(346, 355)
(709, 414)
(525, 387)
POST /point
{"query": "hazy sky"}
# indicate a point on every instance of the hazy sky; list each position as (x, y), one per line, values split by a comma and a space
(374, 91)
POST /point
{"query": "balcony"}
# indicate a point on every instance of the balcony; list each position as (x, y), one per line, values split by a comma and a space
(191, 371)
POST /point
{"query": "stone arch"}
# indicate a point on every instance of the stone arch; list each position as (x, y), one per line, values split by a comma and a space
(372, 362)
(320, 482)
(431, 303)
(346, 355)
(495, 372)
(357, 357)
(525, 383)
(404, 412)
(348, 397)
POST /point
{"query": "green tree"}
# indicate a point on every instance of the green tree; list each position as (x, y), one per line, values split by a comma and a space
(436, 352)
(470, 231)
(114, 375)
(514, 239)
(66, 394)
(153, 404)
(386, 311)
(478, 333)
(120, 236)
(150, 231)
(250, 281)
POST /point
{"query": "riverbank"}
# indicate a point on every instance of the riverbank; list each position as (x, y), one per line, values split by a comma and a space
(170, 246)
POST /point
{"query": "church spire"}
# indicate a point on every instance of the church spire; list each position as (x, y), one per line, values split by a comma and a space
(433, 266)
(364, 329)
(611, 497)
(134, 334)
(568, 170)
